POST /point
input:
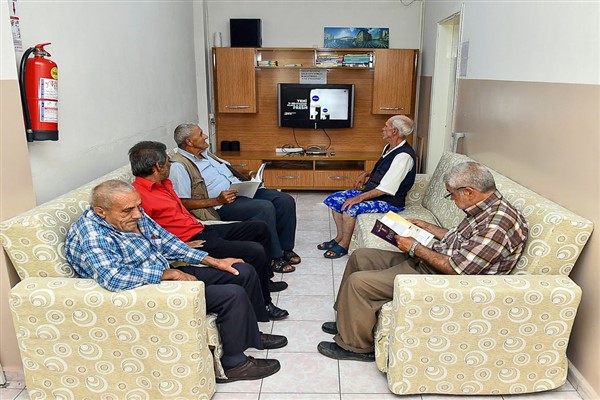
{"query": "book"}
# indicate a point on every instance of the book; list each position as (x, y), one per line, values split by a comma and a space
(249, 188)
(392, 224)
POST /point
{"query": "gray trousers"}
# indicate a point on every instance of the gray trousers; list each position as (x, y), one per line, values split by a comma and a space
(367, 284)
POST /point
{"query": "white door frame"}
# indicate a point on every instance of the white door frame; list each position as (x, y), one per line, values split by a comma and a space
(443, 89)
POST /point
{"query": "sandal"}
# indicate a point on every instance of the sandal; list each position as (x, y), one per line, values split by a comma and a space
(280, 265)
(291, 257)
(327, 245)
(336, 251)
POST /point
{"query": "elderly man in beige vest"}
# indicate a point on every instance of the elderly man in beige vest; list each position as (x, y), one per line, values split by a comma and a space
(202, 181)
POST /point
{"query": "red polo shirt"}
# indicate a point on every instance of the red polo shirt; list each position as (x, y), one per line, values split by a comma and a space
(161, 203)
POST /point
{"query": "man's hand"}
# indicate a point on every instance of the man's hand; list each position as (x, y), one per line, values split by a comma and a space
(223, 264)
(404, 243)
(227, 196)
(361, 180)
(176, 275)
(195, 244)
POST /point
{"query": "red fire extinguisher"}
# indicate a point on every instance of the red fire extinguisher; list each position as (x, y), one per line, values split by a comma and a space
(38, 79)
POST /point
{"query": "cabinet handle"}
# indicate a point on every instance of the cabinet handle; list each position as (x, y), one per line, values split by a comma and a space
(237, 107)
(391, 108)
(339, 177)
(240, 165)
(288, 177)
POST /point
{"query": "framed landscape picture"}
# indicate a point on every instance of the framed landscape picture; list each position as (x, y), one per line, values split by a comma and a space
(339, 37)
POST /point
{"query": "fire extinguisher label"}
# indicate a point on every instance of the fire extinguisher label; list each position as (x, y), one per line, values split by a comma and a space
(48, 89)
(48, 111)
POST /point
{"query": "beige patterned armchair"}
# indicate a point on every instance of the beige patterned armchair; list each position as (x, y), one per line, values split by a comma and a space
(80, 341)
(487, 334)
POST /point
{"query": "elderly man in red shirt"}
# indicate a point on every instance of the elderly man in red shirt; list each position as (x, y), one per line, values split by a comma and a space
(247, 240)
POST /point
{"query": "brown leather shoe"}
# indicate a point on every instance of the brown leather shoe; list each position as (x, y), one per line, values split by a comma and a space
(273, 341)
(253, 368)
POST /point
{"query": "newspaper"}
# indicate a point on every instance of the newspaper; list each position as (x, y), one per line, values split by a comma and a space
(249, 188)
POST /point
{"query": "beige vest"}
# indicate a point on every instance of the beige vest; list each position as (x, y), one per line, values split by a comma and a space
(199, 190)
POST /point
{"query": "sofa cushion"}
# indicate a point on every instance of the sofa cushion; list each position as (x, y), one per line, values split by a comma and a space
(444, 210)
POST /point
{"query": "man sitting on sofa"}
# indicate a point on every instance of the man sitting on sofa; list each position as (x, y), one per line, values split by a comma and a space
(248, 240)
(203, 183)
(118, 245)
(489, 240)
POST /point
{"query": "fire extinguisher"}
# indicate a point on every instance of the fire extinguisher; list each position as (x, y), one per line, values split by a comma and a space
(38, 79)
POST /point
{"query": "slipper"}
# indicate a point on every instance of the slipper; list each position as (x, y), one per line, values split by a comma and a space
(280, 265)
(336, 251)
(291, 257)
(327, 245)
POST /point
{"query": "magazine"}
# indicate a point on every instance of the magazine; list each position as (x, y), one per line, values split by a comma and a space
(249, 188)
(392, 224)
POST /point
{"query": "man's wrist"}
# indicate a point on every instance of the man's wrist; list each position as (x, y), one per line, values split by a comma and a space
(411, 251)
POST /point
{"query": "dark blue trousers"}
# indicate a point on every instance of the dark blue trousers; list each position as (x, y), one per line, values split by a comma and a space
(247, 240)
(237, 300)
(276, 208)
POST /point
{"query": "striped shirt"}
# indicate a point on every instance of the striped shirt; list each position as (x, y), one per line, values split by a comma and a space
(489, 240)
(124, 260)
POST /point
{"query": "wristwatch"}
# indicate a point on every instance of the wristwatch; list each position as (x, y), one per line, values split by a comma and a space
(411, 251)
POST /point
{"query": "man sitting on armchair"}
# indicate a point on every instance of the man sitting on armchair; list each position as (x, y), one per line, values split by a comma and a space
(489, 240)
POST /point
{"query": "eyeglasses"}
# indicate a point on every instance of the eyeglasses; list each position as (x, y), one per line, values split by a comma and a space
(454, 191)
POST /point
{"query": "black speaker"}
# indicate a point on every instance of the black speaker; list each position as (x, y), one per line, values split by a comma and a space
(245, 32)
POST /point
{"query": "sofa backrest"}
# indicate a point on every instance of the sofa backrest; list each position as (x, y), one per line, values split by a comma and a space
(35, 240)
(556, 235)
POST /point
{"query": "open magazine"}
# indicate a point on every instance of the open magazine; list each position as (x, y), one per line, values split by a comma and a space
(249, 188)
(392, 224)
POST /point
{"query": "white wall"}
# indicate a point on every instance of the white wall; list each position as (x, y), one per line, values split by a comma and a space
(301, 23)
(531, 41)
(126, 73)
(8, 68)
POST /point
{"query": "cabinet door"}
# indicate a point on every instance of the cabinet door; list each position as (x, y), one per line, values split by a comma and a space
(394, 81)
(235, 80)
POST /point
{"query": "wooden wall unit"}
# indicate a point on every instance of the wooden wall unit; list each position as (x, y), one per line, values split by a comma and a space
(389, 82)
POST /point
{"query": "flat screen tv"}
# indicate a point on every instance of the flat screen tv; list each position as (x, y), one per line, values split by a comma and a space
(317, 106)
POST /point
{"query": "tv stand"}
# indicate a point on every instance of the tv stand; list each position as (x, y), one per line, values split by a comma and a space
(305, 172)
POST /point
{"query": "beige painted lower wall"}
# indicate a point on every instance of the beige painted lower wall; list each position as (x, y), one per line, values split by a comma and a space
(547, 137)
(16, 196)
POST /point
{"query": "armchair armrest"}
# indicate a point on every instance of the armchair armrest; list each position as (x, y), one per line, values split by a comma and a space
(77, 338)
(479, 334)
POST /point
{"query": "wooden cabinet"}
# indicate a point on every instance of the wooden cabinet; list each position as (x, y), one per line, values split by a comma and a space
(305, 172)
(235, 80)
(394, 82)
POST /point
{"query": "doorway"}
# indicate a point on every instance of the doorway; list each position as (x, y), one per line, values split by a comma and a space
(443, 90)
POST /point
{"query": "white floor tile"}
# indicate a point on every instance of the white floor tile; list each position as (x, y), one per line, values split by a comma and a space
(304, 285)
(307, 308)
(361, 377)
(303, 336)
(303, 373)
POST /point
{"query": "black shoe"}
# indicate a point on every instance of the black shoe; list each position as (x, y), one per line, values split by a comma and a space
(252, 368)
(332, 350)
(277, 286)
(330, 327)
(273, 341)
(276, 313)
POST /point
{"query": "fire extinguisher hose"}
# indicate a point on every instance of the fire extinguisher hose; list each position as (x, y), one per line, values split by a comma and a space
(28, 129)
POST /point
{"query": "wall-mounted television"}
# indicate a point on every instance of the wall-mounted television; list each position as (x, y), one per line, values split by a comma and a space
(315, 106)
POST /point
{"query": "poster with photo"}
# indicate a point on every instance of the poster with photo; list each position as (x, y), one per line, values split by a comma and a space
(347, 38)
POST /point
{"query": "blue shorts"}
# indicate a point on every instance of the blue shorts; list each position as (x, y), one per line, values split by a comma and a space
(337, 199)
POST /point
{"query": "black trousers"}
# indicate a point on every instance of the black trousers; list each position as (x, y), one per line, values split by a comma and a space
(237, 301)
(247, 240)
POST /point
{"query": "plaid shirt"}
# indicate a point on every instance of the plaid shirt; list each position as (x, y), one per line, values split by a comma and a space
(124, 260)
(489, 240)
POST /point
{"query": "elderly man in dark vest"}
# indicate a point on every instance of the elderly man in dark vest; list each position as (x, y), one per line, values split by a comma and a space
(202, 181)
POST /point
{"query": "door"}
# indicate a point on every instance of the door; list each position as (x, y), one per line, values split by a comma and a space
(235, 80)
(443, 91)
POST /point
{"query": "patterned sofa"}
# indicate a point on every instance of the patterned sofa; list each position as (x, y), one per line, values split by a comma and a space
(478, 335)
(80, 341)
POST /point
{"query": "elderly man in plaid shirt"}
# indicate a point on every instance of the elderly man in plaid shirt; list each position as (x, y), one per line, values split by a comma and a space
(118, 245)
(489, 240)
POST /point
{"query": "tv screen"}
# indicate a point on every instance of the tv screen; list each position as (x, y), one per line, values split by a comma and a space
(315, 106)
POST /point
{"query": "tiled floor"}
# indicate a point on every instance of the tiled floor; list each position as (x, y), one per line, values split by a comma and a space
(305, 374)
